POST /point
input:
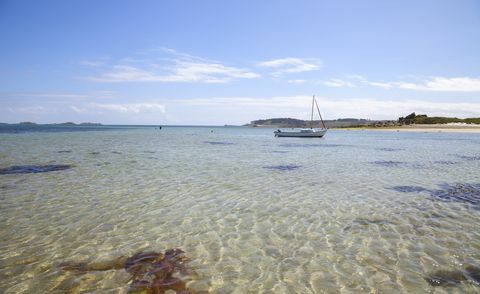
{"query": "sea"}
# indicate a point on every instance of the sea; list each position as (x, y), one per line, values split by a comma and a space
(354, 212)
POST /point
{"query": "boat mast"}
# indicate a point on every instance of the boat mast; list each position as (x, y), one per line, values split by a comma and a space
(311, 117)
(321, 119)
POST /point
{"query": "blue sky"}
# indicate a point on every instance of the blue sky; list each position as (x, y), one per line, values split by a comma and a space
(230, 62)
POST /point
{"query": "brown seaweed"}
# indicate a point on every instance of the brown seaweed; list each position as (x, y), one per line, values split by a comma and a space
(457, 192)
(151, 272)
(33, 169)
(283, 167)
(455, 277)
(445, 278)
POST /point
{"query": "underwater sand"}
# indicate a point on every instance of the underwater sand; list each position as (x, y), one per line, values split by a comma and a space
(354, 212)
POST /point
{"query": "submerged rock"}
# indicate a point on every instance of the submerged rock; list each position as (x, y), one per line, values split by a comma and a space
(33, 169)
(151, 272)
(283, 167)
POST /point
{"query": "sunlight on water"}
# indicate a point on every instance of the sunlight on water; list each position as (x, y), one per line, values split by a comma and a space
(352, 212)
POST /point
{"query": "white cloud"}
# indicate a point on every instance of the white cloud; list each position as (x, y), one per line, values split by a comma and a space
(439, 84)
(338, 83)
(180, 68)
(77, 109)
(291, 65)
(457, 84)
(297, 82)
(28, 109)
(128, 107)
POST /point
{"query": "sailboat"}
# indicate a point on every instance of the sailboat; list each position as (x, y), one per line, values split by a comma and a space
(306, 133)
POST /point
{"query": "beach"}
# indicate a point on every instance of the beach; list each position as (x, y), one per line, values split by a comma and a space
(432, 128)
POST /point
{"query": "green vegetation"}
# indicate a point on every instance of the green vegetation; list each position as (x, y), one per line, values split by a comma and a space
(424, 119)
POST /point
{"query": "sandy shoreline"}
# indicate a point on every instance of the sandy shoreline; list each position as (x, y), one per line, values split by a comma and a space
(437, 128)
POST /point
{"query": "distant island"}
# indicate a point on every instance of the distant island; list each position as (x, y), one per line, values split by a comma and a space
(410, 119)
(58, 124)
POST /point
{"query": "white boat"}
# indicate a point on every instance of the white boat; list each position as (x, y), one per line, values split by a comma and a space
(306, 133)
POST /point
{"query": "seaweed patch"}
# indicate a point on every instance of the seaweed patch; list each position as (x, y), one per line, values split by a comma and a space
(33, 169)
(409, 189)
(445, 162)
(283, 167)
(389, 149)
(218, 143)
(467, 157)
(455, 277)
(466, 193)
(367, 222)
(151, 272)
(389, 163)
(298, 145)
(458, 192)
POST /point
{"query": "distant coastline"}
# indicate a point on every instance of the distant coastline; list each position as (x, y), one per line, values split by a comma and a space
(55, 124)
(411, 122)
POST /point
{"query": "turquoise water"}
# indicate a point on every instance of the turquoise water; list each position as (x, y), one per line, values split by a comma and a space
(354, 212)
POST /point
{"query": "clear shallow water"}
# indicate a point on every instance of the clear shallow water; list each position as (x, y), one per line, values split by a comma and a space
(262, 214)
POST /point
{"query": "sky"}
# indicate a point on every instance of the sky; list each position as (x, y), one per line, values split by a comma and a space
(230, 62)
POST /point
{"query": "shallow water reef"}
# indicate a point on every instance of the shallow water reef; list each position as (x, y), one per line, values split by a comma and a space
(457, 192)
(151, 272)
(454, 277)
(33, 169)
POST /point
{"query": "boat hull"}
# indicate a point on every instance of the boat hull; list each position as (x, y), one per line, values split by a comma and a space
(316, 134)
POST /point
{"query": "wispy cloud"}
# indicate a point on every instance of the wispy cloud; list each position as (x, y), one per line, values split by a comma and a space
(457, 84)
(174, 67)
(129, 107)
(439, 84)
(27, 109)
(297, 81)
(291, 65)
(337, 83)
